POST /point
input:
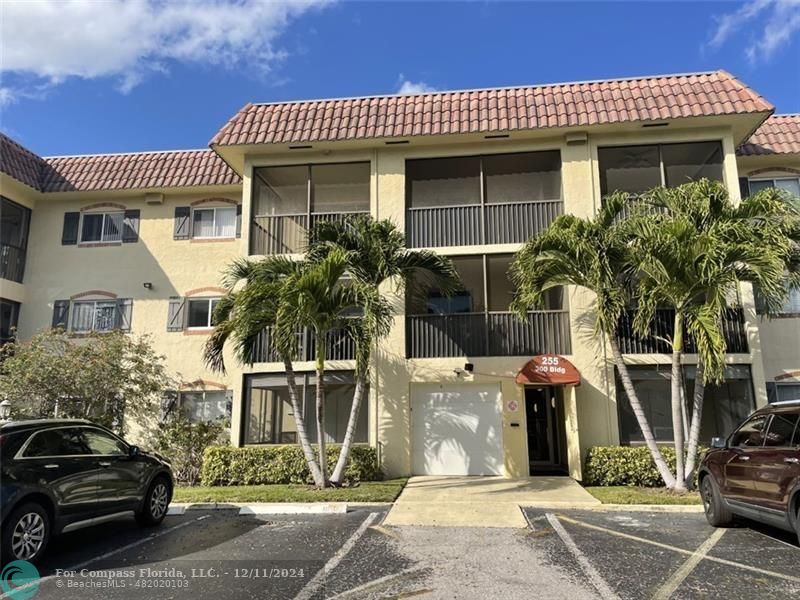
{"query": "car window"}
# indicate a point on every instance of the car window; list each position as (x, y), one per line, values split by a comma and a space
(100, 442)
(751, 434)
(781, 429)
(57, 442)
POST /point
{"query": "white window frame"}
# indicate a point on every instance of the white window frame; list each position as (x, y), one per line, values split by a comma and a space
(210, 300)
(106, 214)
(774, 179)
(94, 304)
(214, 209)
(181, 394)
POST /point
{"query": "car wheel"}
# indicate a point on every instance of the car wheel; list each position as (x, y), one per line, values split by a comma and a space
(26, 533)
(717, 514)
(797, 523)
(156, 502)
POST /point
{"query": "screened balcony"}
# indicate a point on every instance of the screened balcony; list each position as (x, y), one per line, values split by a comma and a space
(340, 346)
(14, 224)
(475, 200)
(477, 322)
(288, 201)
(663, 326)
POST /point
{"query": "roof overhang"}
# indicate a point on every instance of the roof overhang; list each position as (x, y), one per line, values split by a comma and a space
(741, 126)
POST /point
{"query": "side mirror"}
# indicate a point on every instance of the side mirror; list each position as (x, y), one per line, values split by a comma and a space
(133, 451)
(718, 442)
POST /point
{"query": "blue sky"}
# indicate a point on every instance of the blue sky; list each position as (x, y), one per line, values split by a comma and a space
(90, 77)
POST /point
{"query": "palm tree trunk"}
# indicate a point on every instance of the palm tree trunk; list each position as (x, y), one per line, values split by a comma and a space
(677, 401)
(320, 397)
(350, 434)
(641, 419)
(302, 435)
(694, 428)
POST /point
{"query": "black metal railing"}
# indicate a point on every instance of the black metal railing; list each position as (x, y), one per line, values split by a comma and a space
(487, 334)
(663, 326)
(474, 224)
(340, 346)
(288, 234)
(12, 263)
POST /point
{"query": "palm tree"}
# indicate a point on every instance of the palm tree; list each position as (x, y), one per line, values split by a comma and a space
(592, 254)
(286, 296)
(377, 255)
(691, 254)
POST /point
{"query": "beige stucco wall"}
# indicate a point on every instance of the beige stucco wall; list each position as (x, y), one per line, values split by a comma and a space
(176, 267)
(780, 337)
(173, 267)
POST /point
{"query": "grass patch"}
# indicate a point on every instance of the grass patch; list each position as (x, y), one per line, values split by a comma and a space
(367, 491)
(641, 495)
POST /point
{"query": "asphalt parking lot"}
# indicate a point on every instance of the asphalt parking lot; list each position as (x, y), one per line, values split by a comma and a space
(220, 554)
(640, 555)
(569, 554)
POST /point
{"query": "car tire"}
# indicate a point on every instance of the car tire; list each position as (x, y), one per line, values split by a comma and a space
(717, 514)
(26, 533)
(797, 521)
(156, 502)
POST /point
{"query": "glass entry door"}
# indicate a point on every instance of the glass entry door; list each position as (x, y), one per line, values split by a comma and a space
(545, 430)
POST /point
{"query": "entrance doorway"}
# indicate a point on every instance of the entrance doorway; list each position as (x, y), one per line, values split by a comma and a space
(544, 416)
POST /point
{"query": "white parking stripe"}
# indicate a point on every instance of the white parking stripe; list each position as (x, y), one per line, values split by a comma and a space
(677, 578)
(722, 561)
(316, 582)
(375, 583)
(85, 563)
(594, 576)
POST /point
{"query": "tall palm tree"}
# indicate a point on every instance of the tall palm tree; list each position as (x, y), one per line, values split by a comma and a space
(286, 296)
(592, 254)
(377, 255)
(691, 254)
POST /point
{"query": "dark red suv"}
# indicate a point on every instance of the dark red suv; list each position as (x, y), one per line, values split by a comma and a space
(755, 473)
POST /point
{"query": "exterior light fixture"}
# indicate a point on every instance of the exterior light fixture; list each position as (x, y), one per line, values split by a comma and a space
(5, 410)
(148, 285)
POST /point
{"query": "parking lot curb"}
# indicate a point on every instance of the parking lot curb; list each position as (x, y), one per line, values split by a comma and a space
(265, 508)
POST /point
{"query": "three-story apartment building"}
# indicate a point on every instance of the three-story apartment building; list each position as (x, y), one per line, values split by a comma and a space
(461, 385)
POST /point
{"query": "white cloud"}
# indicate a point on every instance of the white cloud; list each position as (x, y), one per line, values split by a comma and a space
(413, 87)
(50, 41)
(770, 25)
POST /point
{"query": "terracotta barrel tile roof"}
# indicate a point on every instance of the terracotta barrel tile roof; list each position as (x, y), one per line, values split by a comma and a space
(780, 134)
(181, 168)
(492, 110)
(145, 170)
(20, 163)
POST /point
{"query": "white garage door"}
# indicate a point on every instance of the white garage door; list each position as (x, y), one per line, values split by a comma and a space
(456, 430)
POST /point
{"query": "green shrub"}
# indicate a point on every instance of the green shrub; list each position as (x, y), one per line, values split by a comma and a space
(184, 442)
(626, 465)
(253, 465)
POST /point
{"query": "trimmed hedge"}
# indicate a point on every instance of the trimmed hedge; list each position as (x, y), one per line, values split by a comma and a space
(254, 465)
(626, 465)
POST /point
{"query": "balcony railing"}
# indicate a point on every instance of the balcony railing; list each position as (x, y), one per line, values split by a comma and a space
(487, 334)
(662, 327)
(288, 234)
(12, 263)
(475, 224)
(340, 346)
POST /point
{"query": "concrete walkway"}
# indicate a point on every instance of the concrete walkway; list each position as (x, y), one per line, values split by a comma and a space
(482, 501)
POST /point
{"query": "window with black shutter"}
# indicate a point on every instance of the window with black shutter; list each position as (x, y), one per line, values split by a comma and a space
(69, 235)
(182, 224)
(176, 315)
